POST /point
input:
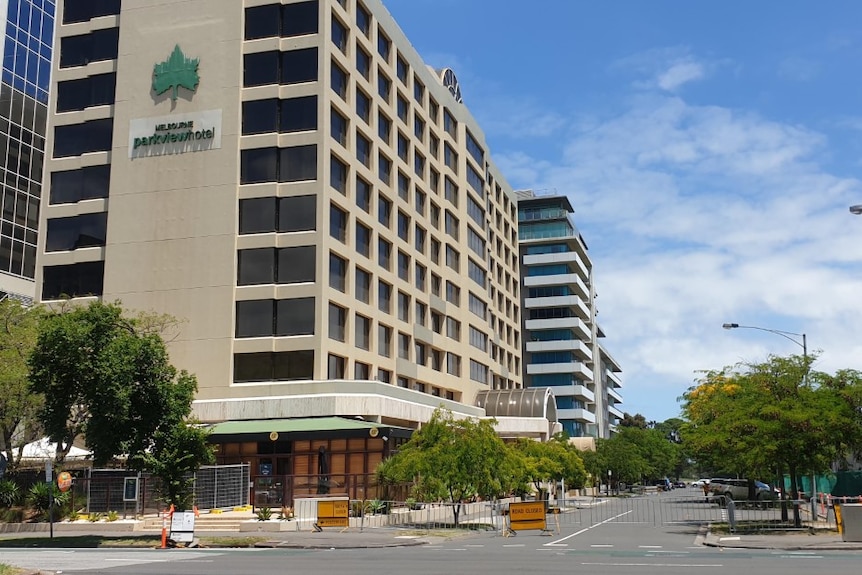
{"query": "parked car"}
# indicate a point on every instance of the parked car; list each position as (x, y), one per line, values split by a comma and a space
(700, 483)
(737, 489)
(679, 484)
(664, 484)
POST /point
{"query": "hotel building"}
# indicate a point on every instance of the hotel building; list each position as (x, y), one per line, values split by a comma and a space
(562, 349)
(315, 203)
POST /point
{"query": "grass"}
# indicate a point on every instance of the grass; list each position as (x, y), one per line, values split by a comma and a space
(9, 570)
(137, 541)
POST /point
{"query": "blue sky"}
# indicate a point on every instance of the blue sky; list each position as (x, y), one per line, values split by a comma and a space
(710, 149)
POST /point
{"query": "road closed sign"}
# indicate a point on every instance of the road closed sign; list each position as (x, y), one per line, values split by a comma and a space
(527, 515)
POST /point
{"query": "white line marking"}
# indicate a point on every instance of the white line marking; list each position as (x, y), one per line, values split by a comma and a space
(602, 545)
(558, 541)
(516, 545)
(801, 556)
(649, 546)
(729, 538)
(656, 564)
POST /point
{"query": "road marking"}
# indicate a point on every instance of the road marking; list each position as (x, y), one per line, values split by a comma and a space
(649, 546)
(602, 545)
(729, 538)
(655, 564)
(135, 559)
(475, 545)
(516, 545)
(801, 556)
(558, 541)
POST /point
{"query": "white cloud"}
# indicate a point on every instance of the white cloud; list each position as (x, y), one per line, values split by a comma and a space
(665, 68)
(678, 74)
(699, 215)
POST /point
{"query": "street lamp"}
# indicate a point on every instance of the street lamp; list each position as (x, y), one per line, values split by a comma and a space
(785, 334)
(856, 210)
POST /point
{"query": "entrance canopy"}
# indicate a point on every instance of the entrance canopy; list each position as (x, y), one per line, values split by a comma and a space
(530, 402)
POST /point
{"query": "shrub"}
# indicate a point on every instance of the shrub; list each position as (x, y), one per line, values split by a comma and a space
(112, 516)
(10, 493)
(12, 515)
(39, 496)
(94, 517)
(286, 513)
(264, 514)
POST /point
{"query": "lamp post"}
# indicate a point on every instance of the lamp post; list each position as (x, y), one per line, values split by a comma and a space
(804, 345)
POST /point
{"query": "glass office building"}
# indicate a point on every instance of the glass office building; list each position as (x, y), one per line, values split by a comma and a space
(28, 27)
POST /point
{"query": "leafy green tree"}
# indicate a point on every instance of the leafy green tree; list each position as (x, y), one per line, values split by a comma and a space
(19, 406)
(107, 377)
(552, 460)
(455, 460)
(636, 420)
(759, 419)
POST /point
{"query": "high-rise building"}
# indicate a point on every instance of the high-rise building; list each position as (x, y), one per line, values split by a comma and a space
(561, 335)
(293, 182)
(28, 27)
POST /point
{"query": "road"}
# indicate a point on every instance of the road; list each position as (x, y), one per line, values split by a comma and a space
(616, 545)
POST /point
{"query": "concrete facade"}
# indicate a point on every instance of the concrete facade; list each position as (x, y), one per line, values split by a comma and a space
(411, 297)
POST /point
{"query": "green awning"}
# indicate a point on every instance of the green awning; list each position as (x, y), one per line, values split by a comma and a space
(254, 426)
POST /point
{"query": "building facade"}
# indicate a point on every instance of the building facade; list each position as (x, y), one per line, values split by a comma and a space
(293, 182)
(561, 335)
(28, 28)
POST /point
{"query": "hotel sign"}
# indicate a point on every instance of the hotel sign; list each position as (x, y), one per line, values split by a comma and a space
(175, 134)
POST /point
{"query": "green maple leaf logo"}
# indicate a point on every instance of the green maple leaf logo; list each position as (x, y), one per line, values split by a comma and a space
(174, 72)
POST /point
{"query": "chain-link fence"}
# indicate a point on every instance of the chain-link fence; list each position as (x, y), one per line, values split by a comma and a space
(221, 486)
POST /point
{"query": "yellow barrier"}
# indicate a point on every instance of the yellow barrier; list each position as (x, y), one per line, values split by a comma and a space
(332, 514)
(526, 515)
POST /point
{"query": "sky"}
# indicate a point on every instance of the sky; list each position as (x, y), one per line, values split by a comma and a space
(710, 150)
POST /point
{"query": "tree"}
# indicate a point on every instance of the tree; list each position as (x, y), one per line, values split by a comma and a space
(634, 454)
(760, 419)
(18, 405)
(107, 377)
(552, 460)
(636, 420)
(455, 460)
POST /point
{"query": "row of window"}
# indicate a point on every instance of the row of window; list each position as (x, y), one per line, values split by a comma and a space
(96, 46)
(84, 10)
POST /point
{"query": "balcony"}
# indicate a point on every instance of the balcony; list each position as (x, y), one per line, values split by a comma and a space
(582, 415)
(581, 392)
(565, 301)
(572, 258)
(612, 410)
(579, 348)
(574, 367)
(573, 323)
(613, 377)
(613, 394)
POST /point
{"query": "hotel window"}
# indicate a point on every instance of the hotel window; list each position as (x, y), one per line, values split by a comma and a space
(267, 366)
(338, 223)
(453, 364)
(403, 147)
(475, 180)
(421, 311)
(338, 174)
(384, 254)
(290, 214)
(450, 157)
(435, 215)
(384, 340)
(295, 164)
(403, 346)
(452, 225)
(418, 127)
(403, 382)
(434, 181)
(476, 211)
(338, 127)
(403, 306)
(418, 90)
(436, 283)
(450, 190)
(421, 357)
(419, 165)
(403, 186)
(363, 106)
(434, 146)
(384, 169)
(273, 115)
(384, 128)
(477, 306)
(436, 359)
(339, 35)
(335, 367)
(297, 19)
(96, 46)
(419, 201)
(384, 86)
(403, 108)
(403, 266)
(384, 296)
(291, 67)
(475, 150)
(96, 90)
(419, 235)
(361, 371)
(73, 280)
(363, 194)
(363, 239)
(72, 186)
(419, 277)
(363, 19)
(338, 79)
(84, 10)
(478, 372)
(433, 110)
(384, 375)
(476, 273)
(384, 45)
(453, 293)
(402, 70)
(362, 332)
(260, 266)
(363, 62)
(475, 242)
(72, 233)
(384, 210)
(478, 339)
(337, 322)
(403, 226)
(363, 150)
(279, 318)
(78, 139)
(437, 322)
(363, 286)
(337, 273)
(450, 124)
(435, 251)
(453, 258)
